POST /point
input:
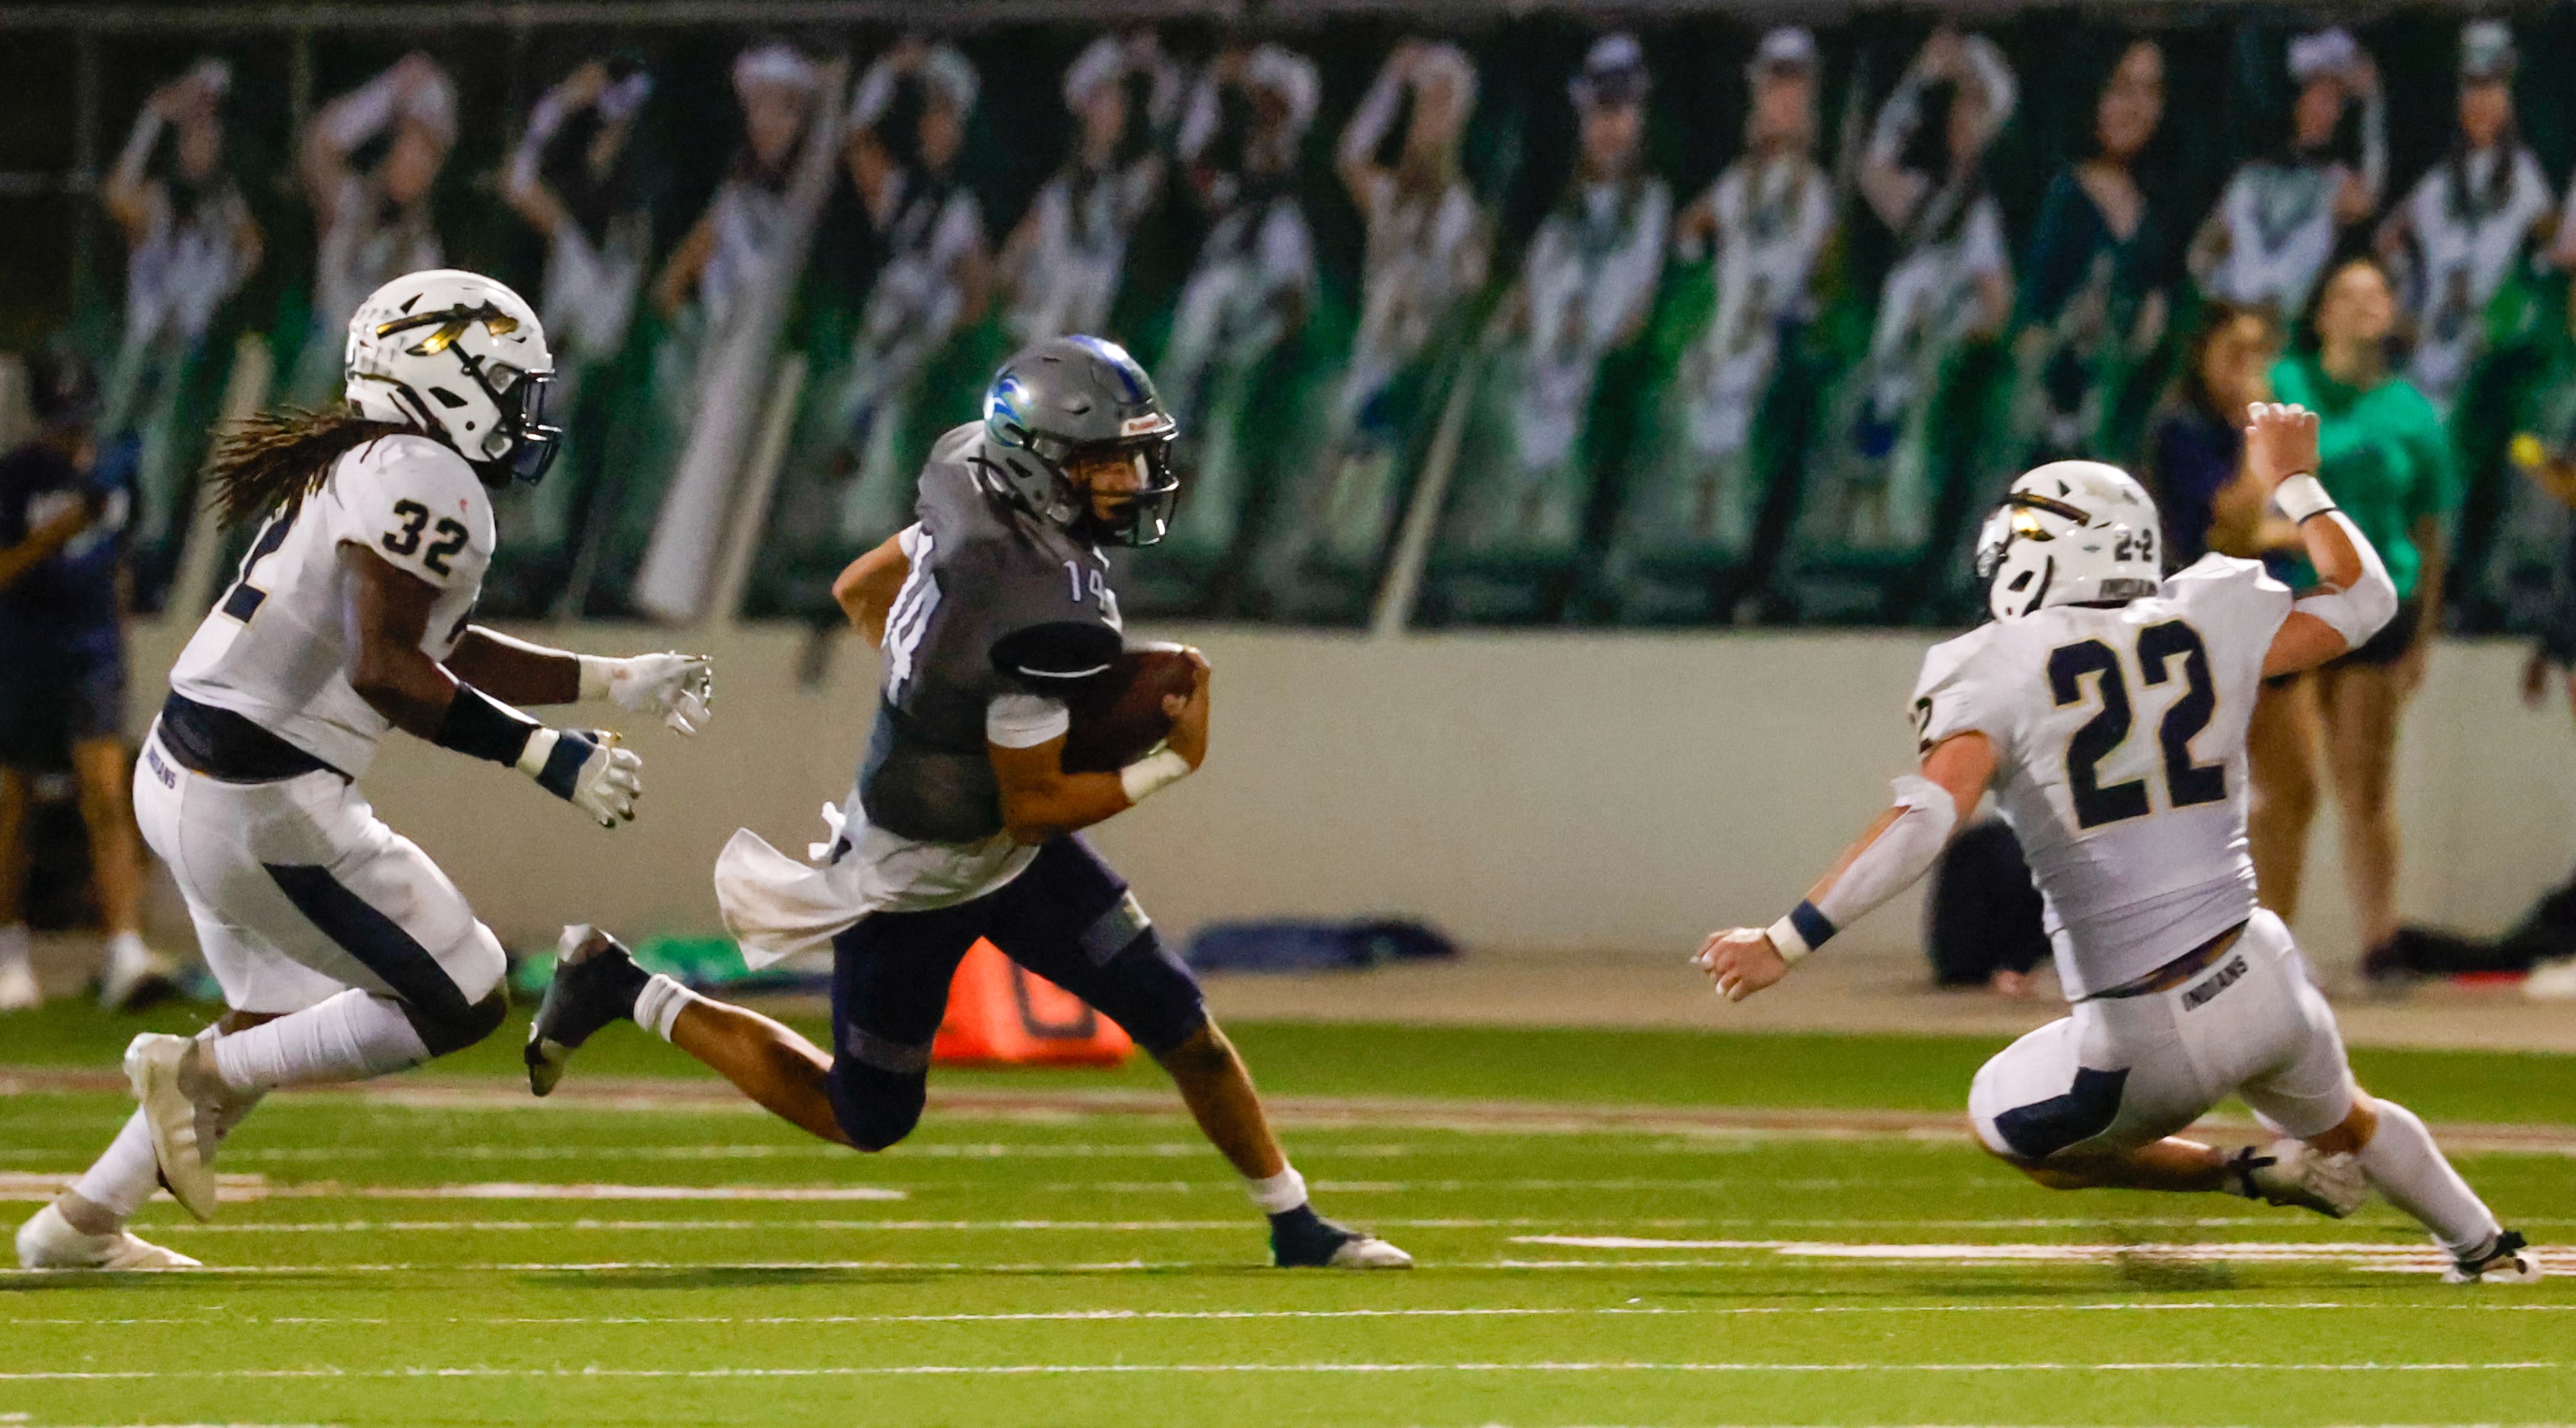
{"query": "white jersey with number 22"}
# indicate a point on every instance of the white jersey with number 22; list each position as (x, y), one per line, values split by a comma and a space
(275, 650)
(2119, 735)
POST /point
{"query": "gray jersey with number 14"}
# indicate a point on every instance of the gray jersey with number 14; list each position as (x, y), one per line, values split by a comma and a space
(2119, 736)
(998, 603)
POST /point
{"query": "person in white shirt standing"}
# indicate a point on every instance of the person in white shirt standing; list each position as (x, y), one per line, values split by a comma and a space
(2107, 710)
(343, 952)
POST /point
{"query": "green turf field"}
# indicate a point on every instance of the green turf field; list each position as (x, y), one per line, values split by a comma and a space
(1615, 1228)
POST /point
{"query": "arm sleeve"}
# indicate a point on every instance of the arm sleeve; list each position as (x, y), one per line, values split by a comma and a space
(1024, 721)
(416, 504)
(2359, 612)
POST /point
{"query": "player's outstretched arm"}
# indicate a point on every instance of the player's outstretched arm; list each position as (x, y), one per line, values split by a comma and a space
(679, 689)
(2357, 596)
(1885, 860)
(385, 615)
(866, 589)
(1040, 801)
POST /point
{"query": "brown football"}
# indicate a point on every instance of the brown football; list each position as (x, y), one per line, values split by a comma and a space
(1118, 713)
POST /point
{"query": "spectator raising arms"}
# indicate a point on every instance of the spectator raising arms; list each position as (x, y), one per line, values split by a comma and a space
(1066, 259)
(735, 242)
(189, 244)
(373, 222)
(1428, 237)
(2470, 218)
(2275, 227)
(2386, 459)
(575, 179)
(62, 643)
(1241, 139)
(907, 131)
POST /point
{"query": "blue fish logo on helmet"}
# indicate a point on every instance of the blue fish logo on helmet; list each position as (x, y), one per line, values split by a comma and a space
(1081, 402)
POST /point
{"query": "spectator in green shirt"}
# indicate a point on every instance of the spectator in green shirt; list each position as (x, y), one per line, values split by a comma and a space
(2385, 457)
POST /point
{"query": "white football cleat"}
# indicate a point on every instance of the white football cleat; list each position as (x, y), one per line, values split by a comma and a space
(2508, 1260)
(1368, 1252)
(2291, 1172)
(48, 1241)
(154, 1064)
(18, 988)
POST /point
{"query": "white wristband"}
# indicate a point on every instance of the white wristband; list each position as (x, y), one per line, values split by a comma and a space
(541, 747)
(2302, 496)
(1792, 944)
(1152, 773)
(595, 670)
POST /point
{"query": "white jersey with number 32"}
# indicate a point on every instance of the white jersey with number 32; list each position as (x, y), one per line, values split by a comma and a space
(275, 650)
(2119, 736)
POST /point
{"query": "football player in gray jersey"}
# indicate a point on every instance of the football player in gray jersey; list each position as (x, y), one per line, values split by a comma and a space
(990, 610)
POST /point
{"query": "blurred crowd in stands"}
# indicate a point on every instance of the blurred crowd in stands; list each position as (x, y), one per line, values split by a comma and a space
(1697, 323)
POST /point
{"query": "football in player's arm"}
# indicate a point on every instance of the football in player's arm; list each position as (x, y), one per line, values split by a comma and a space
(996, 618)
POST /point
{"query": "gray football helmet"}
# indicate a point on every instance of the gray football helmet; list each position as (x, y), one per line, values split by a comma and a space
(1070, 395)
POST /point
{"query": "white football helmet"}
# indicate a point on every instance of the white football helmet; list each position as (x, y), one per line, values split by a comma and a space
(462, 357)
(2070, 533)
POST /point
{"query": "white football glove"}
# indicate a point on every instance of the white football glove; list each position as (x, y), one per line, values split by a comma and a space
(681, 688)
(587, 769)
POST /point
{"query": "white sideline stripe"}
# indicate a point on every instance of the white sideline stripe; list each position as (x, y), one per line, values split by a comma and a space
(2070, 1253)
(237, 1189)
(2401, 1256)
(981, 1370)
(1125, 1315)
(1238, 1223)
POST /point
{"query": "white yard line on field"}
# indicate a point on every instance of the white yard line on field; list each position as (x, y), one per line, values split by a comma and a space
(228, 1319)
(981, 1370)
(1470, 1116)
(15, 1186)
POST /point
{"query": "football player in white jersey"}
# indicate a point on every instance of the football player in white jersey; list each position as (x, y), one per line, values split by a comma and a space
(2106, 709)
(343, 952)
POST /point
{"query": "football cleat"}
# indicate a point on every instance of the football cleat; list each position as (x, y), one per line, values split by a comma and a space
(48, 1241)
(1302, 1239)
(2508, 1260)
(595, 983)
(182, 1130)
(2291, 1172)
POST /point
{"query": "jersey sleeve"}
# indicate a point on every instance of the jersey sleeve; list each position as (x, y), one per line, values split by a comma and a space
(1956, 693)
(2236, 606)
(416, 504)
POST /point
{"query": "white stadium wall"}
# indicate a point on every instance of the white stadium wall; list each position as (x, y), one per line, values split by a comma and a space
(1600, 792)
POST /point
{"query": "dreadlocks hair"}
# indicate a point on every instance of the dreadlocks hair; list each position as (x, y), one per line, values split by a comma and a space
(280, 457)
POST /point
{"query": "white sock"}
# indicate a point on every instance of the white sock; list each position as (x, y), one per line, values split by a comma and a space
(349, 1037)
(126, 952)
(659, 1005)
(2404, 1165)
(1280, 1193)
(125, 1175)
(17, 947)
